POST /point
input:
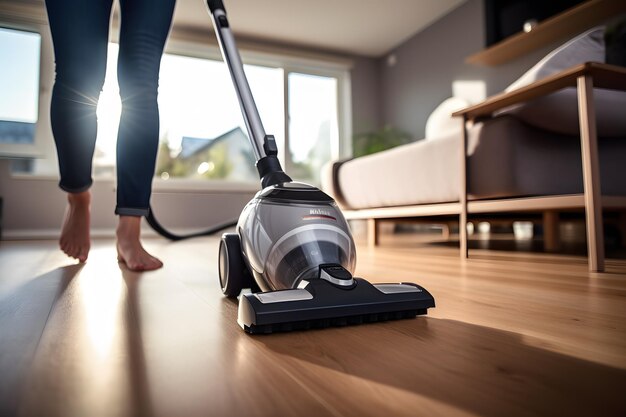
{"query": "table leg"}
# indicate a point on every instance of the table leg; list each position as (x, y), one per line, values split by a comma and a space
(463, 194)
(591, 173)
(373, 235)
(551, 238)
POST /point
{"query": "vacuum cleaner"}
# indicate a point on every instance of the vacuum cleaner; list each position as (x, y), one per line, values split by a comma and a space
(293, 248)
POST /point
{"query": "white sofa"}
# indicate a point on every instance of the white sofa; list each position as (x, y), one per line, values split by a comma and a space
(520, 159)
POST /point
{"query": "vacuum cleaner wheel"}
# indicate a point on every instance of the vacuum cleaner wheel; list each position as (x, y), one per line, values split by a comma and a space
(233, 273)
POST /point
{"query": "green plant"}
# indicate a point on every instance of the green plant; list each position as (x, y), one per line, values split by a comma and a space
(379, 140)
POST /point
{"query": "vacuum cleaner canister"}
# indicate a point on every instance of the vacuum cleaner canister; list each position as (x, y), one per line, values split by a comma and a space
(293, 247)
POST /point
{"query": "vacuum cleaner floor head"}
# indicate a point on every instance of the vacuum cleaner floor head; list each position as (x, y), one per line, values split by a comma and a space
(319, 303)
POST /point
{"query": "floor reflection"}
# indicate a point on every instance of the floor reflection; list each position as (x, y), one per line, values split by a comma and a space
(24, 312)
(100, 297)
(141, 399)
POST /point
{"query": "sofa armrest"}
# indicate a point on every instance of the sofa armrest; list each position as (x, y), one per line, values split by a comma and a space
(329, 177)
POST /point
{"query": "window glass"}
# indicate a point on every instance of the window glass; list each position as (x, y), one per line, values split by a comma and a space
(312, 124)
(202, 133)
(19, 85)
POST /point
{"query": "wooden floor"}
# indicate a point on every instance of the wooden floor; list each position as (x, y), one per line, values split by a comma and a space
(513, 334)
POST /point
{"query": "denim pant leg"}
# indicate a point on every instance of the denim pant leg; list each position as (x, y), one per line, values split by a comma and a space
(80, 31)
(144, 28)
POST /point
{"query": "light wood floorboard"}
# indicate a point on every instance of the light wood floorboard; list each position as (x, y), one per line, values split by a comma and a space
(513, 334)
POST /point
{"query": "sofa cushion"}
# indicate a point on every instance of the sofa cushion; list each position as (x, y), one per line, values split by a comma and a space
(558, 112)
(506, 158)
(586, 47)
(441, 124)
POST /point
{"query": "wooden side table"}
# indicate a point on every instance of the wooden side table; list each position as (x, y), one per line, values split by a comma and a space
(584, 77)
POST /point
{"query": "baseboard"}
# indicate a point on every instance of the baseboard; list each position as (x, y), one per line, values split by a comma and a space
(54, 234)
(49, 234)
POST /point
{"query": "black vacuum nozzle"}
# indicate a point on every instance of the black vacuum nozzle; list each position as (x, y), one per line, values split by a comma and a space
(319, 303)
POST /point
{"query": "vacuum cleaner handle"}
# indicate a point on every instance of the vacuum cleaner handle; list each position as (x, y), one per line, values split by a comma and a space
(263, 145)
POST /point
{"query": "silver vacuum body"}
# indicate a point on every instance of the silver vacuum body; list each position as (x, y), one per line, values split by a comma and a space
(288, 230)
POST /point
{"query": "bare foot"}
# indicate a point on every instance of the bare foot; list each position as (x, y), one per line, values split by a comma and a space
(74, 239)
(129, 248)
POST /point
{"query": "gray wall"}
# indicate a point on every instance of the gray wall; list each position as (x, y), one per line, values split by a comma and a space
(429, 62)
(366, 108)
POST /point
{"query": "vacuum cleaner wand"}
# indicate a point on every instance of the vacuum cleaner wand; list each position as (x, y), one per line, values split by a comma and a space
(263, 145)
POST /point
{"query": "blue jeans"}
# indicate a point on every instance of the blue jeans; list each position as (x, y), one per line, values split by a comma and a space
(80, 34)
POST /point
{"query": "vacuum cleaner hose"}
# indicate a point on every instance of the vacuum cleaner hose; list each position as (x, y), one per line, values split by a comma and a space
(154, 223)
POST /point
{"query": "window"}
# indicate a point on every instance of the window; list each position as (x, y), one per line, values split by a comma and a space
(312, 124)
(203, 135)
(19, 87)
(303, 102)
(202, 132)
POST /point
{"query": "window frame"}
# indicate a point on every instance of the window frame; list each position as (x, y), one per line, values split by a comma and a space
(35, 149)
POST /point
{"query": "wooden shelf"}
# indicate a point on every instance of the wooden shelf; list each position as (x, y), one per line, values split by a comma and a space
(556, 202)
(566, 24)
(514, 205)
(437, 209)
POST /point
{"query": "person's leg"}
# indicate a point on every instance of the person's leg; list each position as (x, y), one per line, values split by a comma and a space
(80, 32)
(144, 29)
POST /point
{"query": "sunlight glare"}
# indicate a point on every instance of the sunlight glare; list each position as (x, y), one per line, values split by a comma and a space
(109, 111)
(101, 297)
